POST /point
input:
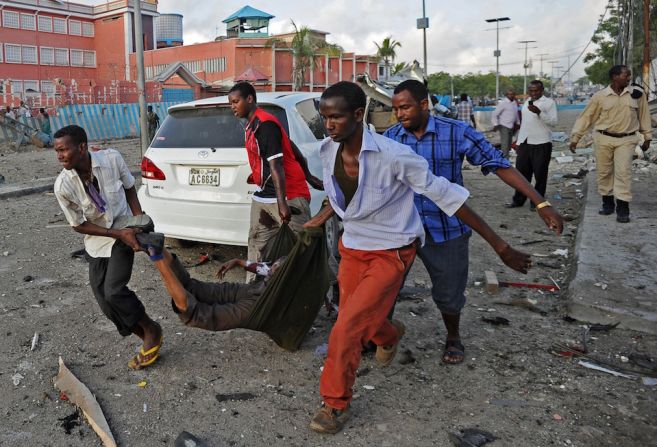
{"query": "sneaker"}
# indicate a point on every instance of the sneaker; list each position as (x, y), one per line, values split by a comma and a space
(329, 420)
(142, 221)
(151, 242)
(385, 354)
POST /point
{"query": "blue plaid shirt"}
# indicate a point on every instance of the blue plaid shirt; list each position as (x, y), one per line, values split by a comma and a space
(444, 145)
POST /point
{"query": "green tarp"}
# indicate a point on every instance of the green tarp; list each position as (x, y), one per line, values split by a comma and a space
(287, 308)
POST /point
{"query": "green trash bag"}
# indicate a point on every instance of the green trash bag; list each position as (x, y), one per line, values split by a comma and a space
(288, 306)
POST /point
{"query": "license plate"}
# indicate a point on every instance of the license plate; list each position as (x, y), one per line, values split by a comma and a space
(204, 177)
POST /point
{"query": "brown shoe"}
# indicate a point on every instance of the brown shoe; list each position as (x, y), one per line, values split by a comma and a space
(329, 420)
(385, 354)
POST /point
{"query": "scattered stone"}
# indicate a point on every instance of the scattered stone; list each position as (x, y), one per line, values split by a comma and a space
(235, 396)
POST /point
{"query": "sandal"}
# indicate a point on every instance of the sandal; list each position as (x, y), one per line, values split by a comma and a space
(145, 358)
(454, 349)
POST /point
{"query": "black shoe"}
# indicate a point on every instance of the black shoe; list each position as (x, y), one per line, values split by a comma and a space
(512, 205)
(608, 206)
(152, 241)
(142, 222)
(622, 211)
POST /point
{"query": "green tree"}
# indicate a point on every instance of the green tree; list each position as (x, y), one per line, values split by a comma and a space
(306, 48)
(399, 67)
(387, 52)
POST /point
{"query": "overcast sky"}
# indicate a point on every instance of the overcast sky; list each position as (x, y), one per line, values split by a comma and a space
(457, 39)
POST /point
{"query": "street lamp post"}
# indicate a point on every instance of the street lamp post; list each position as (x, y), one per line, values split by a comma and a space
(423, 24)
(497, 52)
(524, 82)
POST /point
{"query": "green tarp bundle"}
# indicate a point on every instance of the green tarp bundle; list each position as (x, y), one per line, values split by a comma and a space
(288, 306)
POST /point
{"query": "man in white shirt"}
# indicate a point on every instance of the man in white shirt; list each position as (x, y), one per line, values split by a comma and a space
(93, 190)
(505, 120)
(535, 141)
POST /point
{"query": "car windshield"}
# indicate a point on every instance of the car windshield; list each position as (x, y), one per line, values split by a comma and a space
(214, 127)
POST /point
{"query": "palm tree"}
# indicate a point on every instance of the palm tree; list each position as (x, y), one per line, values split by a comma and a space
(305, 47)
(399, 67)
(386, 51)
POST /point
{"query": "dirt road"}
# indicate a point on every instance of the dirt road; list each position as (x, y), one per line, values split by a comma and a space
(512, 384)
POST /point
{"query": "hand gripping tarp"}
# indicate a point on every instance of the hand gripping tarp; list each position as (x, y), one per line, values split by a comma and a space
(288, 306)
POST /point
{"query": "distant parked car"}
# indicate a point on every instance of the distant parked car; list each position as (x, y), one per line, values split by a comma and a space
(195, 170)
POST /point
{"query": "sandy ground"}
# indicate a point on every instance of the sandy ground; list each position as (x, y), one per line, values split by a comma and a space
(511, 383)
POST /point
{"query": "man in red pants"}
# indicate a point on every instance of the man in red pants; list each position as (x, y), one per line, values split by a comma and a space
(370, 180)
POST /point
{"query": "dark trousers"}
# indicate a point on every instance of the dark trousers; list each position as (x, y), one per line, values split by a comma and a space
(108, 278)
(533, 159)
(216, 306)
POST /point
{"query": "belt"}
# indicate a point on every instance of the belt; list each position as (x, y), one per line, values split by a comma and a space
(616, 135)
(412, 244)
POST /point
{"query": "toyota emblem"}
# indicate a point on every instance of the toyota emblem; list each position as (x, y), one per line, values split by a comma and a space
(203, 154)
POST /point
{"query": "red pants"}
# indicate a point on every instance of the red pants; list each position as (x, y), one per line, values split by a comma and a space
(369, 282)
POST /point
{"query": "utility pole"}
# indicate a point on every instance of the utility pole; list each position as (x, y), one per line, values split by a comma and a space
(553, 64)
(540, 74)
(141, 86)
(524, 82)
(646, 46)
(423, 24)
(497, 52)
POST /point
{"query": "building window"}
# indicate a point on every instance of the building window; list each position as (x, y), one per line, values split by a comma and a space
(47, 55)
(77, 58)
(59, 25)
(17, 88)
(2, 55)
(12, 53)
(29, 54)
(87, 29)
(31, 87)
(10, 19)
(89, 58)
(74, 28)
(45, 24)
(61, 56)
(48, 87)
(28, 22)
(217, 64)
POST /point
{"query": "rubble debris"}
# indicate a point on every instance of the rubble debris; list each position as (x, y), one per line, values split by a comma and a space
(580, 174)
(650, 381)
(35, 341)
(471, 437)
(78, 394)
(564, 159)
(235, 396)
(496, 321)
(16, 379)
(321, 350)
(368, 387)
(603, 369)
(186, 439)
(493, 285)
(561, 252)
(603, 327)
(71, 421)
(28, 278)
(643, 361)
(406, 357)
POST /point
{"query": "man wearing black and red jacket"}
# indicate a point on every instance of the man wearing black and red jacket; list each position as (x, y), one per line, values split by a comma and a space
(277, 169)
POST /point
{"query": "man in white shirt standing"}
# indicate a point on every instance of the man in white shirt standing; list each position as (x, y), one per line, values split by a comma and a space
(93, 190)
(505, 120)
(535, 141)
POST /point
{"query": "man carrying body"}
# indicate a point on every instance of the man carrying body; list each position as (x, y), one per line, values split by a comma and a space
(94, 189)
(617, 114)
(283, 195)
(369, 180)
(464, 111)
(444, 143)
(505, 120)
(535, 142)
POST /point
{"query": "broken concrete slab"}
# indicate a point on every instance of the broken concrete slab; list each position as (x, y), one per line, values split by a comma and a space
(623, 256)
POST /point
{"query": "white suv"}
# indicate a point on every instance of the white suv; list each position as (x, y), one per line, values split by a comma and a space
(195, 170)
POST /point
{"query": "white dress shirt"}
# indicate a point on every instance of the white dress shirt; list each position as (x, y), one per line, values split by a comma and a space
(114, 178)
(534, 128)
(506, 114)
(382, 215)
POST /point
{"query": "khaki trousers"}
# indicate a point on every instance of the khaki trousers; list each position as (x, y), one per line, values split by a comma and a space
(265, 222)
(614, 164)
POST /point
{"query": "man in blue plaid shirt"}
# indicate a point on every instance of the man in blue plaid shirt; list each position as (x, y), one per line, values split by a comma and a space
(444, 143)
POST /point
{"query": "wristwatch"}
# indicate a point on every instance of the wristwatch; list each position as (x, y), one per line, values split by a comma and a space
(543, 205)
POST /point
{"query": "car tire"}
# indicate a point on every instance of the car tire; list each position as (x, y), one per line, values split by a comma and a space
(332, 229)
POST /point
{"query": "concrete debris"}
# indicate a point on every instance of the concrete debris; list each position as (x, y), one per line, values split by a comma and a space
(79, 395)
(590, 365)
(16, 379)
(35, 341)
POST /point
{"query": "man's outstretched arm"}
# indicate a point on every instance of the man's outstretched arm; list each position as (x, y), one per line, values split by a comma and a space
(171, 281)
(515, 179)
(515, 259)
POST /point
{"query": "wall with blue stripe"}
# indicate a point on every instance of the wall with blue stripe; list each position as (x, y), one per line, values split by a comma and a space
(101, 121)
